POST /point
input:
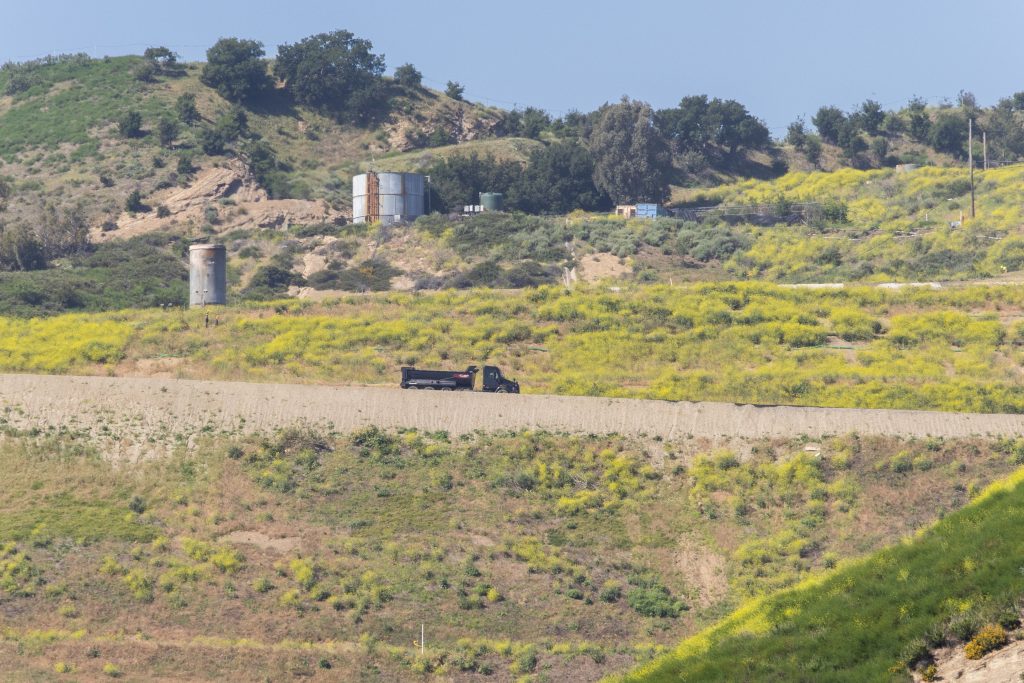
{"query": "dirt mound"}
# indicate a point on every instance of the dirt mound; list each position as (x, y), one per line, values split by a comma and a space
(144, 411)
(227, 197)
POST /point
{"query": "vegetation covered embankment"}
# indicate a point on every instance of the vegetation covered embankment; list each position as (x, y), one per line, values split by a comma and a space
(306, 553)
(954, 349)
(878, 618)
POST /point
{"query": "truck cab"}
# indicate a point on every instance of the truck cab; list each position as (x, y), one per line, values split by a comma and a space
(497, 383)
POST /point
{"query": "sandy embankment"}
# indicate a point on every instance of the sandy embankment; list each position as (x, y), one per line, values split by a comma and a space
(160, 410)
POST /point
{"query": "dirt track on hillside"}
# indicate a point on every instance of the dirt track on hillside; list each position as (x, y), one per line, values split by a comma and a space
(145, 410)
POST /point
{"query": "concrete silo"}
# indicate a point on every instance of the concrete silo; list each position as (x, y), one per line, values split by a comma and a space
(207, 275)
(387, 197)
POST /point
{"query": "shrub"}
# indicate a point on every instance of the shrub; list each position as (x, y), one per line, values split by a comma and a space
(111, 567)
(130, 124)
(654, 601)
(235, 69)
(454, 90)
(62, 668)
(111, 670)
(185, 105)
(989, 638)
(291, 598)
(525, 660)
(304, 572)
(133, 204)
(227, 561)
(140, 585)
(408, 76)
(611, 591)
(167, 131)
(197, 550)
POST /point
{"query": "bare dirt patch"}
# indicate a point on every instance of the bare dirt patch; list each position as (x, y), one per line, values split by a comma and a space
(261, 540)
(230, 196)
(313, 263)
(594, 267)
(1002, 666)
(704, 571)
(154, 367)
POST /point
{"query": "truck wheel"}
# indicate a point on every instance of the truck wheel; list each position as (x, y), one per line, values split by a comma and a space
(501, 390)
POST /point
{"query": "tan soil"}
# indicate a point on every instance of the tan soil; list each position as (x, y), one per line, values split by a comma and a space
(261, 540)
(313, 263)
(316, 294)
(141, 411)
(704, 571)
(482, 541)
(155, 367)
(1002, 666)
(251, 207)
(594, 267)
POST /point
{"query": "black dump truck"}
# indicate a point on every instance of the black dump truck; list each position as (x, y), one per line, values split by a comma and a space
(458, 380)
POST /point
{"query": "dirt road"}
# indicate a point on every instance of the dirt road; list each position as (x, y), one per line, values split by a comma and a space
(175, 410)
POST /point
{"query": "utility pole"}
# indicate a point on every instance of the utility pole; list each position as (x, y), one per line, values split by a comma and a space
(970, 158)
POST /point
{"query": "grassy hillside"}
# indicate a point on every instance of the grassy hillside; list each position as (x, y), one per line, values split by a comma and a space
(898, 226)
(875, 618)
(66, 161)
(61, 144)
(549, 556)
(955, 349)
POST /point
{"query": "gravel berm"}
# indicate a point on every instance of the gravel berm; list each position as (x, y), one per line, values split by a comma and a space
(171, 405)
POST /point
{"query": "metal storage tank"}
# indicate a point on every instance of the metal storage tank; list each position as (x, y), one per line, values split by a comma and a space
(387, 197)
(207, 275)
(492, 201)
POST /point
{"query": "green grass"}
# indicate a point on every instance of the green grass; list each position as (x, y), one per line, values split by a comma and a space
(64, 516)
(71, 100)
(870, 618)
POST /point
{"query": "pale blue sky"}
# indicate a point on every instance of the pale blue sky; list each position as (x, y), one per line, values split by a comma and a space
(781, 59)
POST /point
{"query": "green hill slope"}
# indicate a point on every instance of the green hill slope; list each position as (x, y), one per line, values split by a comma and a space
(60, 140)
(871, 619)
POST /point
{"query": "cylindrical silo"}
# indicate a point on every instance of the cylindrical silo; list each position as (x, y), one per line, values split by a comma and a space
(359, 198)
(207, 275)
(492, 201)
(387, 197)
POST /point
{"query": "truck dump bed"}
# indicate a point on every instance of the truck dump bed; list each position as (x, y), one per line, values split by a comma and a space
(446, 380)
